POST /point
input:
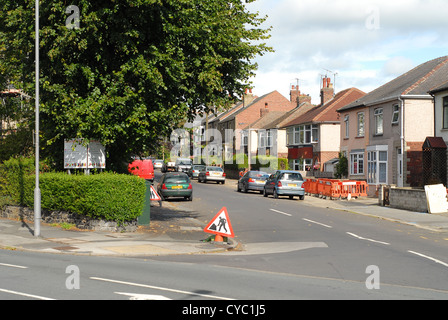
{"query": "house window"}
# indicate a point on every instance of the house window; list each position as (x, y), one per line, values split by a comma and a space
(304, 134)
(361, 124)
(262, 138)
(269, 138)
(445, 113)
(378, 115)
(244, 138)
(302, 164)
(347, 128)
(357, 163)
(377, 165)
(290, 136)
(395, 114)
(315, 134)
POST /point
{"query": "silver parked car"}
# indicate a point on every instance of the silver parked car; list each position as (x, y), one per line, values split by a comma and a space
(194, 170)
(285, 183)
(212, 173)
(252, 180)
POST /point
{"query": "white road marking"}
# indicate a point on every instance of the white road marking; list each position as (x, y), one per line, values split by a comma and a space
(160, 288)
(25, 294)
(138, 296)
(284, 213)
(12, 266)
(326, 226)
(371, 240)
(428, 257)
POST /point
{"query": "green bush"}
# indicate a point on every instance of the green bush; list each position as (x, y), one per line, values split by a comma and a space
(108, 196)
(12, 178)
(240, 161)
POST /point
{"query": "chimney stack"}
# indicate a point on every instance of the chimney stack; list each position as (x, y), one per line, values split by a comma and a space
(327, 91)
(297, 97)
(248, 97)
(264, 111)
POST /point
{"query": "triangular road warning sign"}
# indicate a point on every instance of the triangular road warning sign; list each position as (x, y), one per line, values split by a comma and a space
(220, 224)
(154, 195)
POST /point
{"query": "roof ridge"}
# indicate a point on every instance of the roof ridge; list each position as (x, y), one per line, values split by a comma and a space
(424, 78)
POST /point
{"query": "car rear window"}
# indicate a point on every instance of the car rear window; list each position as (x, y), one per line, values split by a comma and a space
(291, 176)
(177, 179)
(258, 174)
(214, 169)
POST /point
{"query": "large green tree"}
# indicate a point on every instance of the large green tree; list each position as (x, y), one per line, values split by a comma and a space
(133, 70)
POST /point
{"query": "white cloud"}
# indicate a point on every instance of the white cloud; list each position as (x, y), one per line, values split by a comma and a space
(366, 42)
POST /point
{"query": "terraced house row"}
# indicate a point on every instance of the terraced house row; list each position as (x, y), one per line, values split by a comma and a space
(396, 134)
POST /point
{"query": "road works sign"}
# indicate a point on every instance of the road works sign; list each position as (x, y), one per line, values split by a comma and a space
(220, 224)
(154, 195)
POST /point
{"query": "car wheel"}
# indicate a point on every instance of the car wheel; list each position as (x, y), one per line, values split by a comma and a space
(291, 197)
(238, 189)
(302, 197)
(275, 194)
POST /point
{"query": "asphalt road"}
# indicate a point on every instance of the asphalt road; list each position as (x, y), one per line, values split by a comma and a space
(292, 251)
(292, 237)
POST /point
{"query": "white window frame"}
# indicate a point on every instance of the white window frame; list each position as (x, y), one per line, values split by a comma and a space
(262, 139)
(379, 121)
(303, 134)
(375, 163)
(347, 126)
(361, 124)
(357, 163)
(269, 138)
(300, 164)
(395, 114)
(244, 138)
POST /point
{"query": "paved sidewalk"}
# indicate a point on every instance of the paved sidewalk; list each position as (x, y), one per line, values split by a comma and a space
(177, 231)
(171, 231)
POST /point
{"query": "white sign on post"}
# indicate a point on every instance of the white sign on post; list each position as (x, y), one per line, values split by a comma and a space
(436, 198)
(78, 156)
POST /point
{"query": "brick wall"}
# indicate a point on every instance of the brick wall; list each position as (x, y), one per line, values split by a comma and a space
(408, 199)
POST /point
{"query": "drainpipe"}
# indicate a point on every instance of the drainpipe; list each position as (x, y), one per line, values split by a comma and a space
(402, 138)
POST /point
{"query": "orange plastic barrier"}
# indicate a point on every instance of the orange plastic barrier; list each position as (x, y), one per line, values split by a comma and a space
(336, 188)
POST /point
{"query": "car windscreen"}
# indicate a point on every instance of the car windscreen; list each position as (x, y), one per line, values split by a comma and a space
(291, 176)
(177, 179)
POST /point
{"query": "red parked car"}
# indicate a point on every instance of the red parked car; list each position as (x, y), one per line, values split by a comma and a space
(142, 168)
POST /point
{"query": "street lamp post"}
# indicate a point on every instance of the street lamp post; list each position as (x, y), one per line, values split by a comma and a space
(37, 195)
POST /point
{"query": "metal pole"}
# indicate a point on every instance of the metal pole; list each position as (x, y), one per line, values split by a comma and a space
(37, 195)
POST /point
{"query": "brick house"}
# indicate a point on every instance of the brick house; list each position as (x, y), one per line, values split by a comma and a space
(270, 134)
(396, 120)
(435, 152)
(313, 138)
(233, 126)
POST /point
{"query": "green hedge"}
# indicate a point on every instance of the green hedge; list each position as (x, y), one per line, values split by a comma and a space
(108, 196)
(241, 161)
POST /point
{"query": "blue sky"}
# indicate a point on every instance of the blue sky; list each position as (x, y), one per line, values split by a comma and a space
(366, 42)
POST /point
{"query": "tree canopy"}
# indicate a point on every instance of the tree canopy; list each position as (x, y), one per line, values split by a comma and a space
(133, 70)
